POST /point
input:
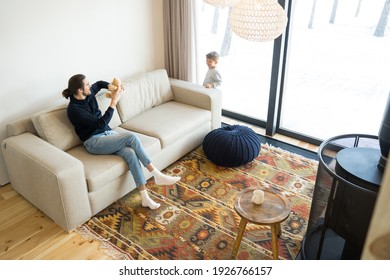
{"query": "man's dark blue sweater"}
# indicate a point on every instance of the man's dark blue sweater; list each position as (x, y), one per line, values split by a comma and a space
(85, 115)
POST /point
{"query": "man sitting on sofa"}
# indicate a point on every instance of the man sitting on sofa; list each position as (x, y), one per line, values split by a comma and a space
(98, 138)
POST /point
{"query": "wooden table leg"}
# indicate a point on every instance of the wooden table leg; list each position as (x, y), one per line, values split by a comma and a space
(241, 229)
(278, 230)
(274, 232)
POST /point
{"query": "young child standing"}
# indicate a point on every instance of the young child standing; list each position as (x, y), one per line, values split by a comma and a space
(213, 78)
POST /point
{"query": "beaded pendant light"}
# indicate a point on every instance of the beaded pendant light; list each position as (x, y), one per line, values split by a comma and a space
(258, 20)
(222, 3)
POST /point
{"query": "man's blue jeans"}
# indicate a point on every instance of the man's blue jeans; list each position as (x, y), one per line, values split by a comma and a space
(126, 145)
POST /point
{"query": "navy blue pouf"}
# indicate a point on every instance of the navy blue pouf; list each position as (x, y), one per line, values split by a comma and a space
(232, 145)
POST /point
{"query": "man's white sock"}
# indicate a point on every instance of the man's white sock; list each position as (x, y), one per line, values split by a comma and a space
(147, 201)
(162, 179)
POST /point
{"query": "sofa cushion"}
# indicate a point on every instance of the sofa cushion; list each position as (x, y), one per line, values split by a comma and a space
(54, 127)
(169, 121)
(144, 92)
(21, 126)
(102, 169)
(151, 145)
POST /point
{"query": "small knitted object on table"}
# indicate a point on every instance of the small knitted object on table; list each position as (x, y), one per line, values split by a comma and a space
(232, 145)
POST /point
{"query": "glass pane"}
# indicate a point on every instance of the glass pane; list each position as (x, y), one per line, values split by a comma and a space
(338, 73)
(245, 66)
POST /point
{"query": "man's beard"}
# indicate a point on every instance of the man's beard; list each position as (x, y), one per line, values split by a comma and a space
(86, 93)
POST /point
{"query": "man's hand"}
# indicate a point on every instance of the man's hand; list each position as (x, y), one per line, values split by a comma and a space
(115, 96)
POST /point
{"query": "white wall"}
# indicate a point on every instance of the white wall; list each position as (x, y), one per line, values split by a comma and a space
(44, 42)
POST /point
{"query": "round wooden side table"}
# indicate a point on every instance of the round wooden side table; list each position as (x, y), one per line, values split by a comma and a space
(274, 210)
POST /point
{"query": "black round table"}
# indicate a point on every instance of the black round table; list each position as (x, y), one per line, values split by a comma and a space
(354, 203)
(360, 166)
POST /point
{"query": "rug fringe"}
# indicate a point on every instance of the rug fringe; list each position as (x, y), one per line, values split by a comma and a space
(313, 161)
(105, 245)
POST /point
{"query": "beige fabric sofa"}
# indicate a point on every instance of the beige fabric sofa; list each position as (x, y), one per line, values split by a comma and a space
(50, 167)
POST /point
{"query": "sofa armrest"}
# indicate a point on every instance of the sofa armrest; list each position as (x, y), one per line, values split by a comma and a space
(198, 96)
(49, 178)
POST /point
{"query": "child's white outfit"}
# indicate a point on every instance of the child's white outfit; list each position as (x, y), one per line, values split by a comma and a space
(213, 77)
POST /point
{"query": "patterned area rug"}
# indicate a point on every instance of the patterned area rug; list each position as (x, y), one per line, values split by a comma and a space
(197, 220)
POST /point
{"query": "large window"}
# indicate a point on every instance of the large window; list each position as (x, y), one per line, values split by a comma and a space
(245, 66)
(337, 78)
(336, 72)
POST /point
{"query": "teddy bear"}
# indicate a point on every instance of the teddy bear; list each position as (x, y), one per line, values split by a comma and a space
(115, 84)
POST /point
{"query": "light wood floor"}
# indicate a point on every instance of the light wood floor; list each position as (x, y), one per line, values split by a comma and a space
(26, 233)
